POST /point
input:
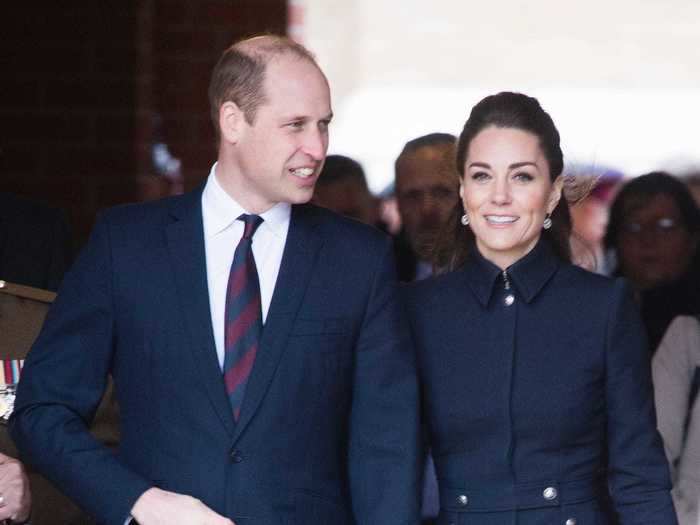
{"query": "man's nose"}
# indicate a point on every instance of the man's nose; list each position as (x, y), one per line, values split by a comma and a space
(315, 144)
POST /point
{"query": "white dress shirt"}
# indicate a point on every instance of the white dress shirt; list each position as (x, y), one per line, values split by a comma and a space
(222, 232)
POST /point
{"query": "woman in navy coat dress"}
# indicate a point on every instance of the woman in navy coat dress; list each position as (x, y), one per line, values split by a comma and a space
(535, 373)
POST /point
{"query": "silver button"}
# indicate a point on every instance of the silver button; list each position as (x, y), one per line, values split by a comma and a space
(571, 521)
(462, 499)
(510, 299)
(549, 493)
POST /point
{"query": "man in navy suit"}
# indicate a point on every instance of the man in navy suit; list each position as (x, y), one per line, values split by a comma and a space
(327, 431)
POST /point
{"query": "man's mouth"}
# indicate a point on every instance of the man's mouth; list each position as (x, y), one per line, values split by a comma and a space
(303, 173)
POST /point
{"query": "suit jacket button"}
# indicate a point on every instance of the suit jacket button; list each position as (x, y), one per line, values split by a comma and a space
(462, 499)
(549, 493)
(236, 456)
(571, 521)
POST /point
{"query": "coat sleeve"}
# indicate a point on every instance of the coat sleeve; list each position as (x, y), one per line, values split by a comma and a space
(637, 471)
(384, 429)
(673, 368)
(63, 380)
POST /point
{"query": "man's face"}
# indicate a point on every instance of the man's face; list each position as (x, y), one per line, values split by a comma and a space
(348, 197)
(280, 155)
(426, 192)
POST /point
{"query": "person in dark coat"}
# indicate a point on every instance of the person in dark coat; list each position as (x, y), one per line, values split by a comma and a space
(35, 243)
(535, 377)
(259, 349)
(654, 231)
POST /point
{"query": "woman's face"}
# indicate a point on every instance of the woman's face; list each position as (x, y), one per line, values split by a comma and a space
(654, 246)
(507, 192)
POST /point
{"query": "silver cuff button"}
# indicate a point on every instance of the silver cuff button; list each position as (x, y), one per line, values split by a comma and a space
(462, 499)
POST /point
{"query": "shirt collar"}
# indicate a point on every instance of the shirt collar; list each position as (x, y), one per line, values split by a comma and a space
(528, 275)
(221, 210)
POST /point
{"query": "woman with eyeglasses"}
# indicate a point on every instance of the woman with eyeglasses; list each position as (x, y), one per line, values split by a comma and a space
(654, 231)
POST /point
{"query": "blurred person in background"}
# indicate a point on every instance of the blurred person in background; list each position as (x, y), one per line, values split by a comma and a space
(590, 217)
(342, 188)
(692, 180)
(426, 185)
(653, 230)
(35, 243)
(676, 375)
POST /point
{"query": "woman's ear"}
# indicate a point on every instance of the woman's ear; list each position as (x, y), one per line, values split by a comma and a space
(555, 193)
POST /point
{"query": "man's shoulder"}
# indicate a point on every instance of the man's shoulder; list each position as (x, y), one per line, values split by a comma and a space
(155, 212)
(338, 228)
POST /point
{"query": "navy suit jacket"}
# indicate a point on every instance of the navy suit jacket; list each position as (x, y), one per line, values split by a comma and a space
(328, 431)
(536, 402)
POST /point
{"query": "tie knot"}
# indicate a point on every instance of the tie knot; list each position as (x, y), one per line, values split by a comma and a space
(251, 224)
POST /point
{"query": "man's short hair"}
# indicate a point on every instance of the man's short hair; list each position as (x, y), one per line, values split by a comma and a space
(424, 141)
(338, 168)
(239, 74)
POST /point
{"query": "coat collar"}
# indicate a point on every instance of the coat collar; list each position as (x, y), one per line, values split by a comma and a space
(528, 275)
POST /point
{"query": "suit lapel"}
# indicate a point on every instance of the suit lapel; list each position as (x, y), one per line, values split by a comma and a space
(186, 245)
(300, 253)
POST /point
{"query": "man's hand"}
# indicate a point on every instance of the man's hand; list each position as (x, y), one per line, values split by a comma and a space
(15, 498)
(160, 507)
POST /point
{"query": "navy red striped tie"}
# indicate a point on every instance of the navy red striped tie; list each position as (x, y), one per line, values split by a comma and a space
(243, 316)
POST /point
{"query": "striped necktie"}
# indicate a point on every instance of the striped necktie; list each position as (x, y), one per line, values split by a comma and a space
(243, 316)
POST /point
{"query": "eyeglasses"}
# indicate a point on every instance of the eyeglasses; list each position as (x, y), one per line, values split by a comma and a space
(659, 226)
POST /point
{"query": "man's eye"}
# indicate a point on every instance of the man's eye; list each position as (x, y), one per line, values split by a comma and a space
(297, 124)
(442, 193)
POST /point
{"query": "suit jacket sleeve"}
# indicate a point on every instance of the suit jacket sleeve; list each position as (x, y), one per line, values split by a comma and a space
(638, 473)
(62, 383)
(384, 427)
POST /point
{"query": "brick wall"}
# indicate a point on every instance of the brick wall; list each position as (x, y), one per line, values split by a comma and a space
(83, 80)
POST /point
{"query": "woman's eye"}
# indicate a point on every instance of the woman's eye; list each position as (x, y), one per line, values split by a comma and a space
(480, 176)
(523, 177)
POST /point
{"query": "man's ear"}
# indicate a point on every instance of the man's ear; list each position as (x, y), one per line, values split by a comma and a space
(231, 121)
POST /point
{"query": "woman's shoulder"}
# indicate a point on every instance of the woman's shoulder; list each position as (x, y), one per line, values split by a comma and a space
(434, 289)
(593, 283)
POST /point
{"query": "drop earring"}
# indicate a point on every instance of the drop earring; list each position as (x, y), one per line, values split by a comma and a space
(547, 223)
